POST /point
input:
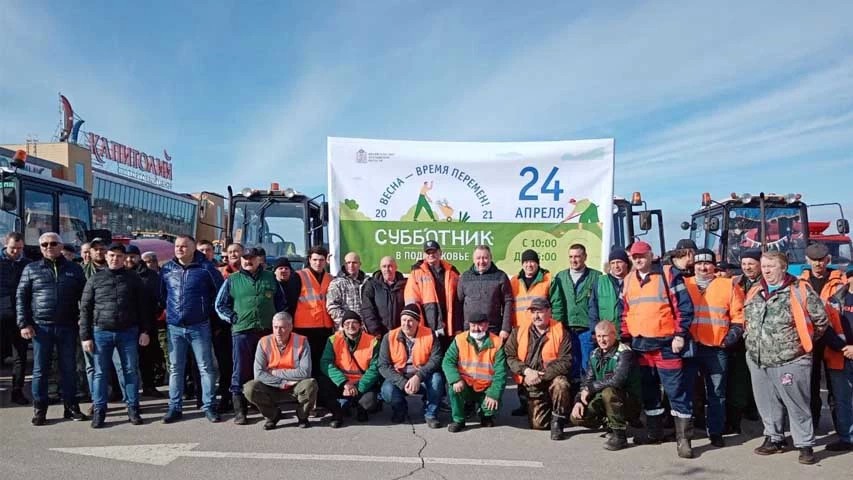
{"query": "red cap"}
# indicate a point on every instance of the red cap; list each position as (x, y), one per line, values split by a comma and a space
(640, 248)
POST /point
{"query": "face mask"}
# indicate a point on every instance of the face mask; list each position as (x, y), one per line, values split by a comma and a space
(477, 335)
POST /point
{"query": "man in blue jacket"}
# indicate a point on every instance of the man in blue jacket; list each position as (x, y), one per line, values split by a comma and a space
(188, 287)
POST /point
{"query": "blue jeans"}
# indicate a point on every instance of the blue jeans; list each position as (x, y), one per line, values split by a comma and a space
(842, 388)
(89, 360)
(712, 364)
(243, 347)
(581, 350)
(197, 337)
(107, 344)
(663, 368)
(64, 338)
(433, 389)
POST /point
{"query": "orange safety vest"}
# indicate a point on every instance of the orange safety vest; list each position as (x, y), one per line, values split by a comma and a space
(802, 319)
(227, 270)
(523, 297)
(311, 307)
(420, 289)
(834, 360)
(283, 360)
(353, 364)
(550, 347)
(421, 350)
(836, 279)
(649, 312)
(477, 368)
(715, 310)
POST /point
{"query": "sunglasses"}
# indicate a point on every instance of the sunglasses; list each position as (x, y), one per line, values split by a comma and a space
(49, 244)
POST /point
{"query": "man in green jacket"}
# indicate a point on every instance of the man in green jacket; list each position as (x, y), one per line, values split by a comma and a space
(569, 295)
(247, 300)
(349, 370)
(475, 368)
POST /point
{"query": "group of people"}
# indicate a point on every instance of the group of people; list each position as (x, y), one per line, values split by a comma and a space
(586, 348)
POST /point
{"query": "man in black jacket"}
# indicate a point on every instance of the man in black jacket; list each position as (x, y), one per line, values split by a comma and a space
(12, 263)
(114, 315)
(289, 282)
(47, 307)
(382, 298)
(151, 360)
(485, 289)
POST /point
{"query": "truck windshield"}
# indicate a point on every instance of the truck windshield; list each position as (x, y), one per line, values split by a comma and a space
(783, 227)
(278, 227)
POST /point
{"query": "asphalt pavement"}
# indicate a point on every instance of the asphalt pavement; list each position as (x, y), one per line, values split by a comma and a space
(195, 448)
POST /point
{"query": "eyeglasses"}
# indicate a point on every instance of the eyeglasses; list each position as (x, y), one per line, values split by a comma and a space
(49, 244)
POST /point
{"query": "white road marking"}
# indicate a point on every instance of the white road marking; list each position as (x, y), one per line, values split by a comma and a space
(166, 453)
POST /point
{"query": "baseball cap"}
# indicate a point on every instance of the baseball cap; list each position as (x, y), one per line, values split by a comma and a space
(640, 248)
(539, 303)
(252, 252)
(478, 318)
(133, 250)
(431, 245)
(686, 243)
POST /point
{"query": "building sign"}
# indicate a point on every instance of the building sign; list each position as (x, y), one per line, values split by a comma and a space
(113, 157)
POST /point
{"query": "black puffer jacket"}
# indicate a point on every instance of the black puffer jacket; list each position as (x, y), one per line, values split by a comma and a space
(10, 275)
(49, 293)
(488, 292)
(151, 282)
(114, 300)
(382, 303)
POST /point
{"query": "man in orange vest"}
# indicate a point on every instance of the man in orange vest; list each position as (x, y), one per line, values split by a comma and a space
(531, 282)
(717, 326)
(282, 372)
(839, 359)
(311, 319)
(349, 370)
(826, 282)
(656, 317)
(410, 362)
(432, 285)
(539, 353)
(475, 368)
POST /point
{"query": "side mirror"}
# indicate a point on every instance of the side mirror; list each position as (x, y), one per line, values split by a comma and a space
(645, 221)
(685, 225)
(713, 224)
(843, 226)
(9, 199)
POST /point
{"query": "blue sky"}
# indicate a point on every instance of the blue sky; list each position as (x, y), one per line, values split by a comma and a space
(700, 96)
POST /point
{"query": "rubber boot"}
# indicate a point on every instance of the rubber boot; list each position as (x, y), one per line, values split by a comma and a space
(683, 435)
(241, 409)
(654, 431)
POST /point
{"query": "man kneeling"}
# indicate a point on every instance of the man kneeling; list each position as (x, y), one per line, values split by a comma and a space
(282, 372)
(539, 353)
(611, 389)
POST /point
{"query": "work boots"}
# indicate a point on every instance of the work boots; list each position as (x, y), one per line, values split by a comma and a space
(241, 409)
(683, 435)
(654, 431)
(557, 424)
(39, 414)
(99, 417)
(617, 440)
(133, 416)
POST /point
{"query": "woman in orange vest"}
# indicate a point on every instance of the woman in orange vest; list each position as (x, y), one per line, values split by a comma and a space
(475, 368)
(717, 326)
(784, 316)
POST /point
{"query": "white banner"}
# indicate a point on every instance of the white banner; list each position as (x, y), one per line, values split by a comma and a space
(386, 197)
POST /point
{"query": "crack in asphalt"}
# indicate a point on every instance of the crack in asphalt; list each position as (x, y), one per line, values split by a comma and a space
(420, 454)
